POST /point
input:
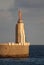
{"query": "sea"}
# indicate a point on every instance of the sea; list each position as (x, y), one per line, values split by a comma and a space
(36, 57)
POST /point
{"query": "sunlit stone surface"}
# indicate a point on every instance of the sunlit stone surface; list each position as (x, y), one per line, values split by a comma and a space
(20, 48)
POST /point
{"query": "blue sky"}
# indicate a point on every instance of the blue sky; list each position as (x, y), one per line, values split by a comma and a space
(33, 17)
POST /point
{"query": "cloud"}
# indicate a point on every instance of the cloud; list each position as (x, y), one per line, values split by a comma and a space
(6, 4)
(22, 3)
(12, 4)
(29, 3)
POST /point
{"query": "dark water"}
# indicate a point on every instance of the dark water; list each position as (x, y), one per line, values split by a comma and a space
(36, 57)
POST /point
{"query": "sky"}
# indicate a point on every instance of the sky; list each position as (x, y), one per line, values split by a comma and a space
(33, 18)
